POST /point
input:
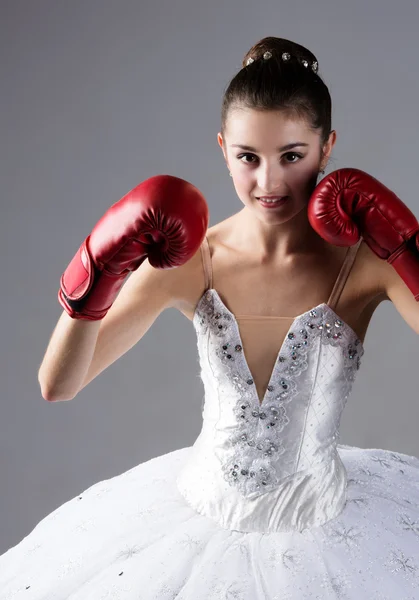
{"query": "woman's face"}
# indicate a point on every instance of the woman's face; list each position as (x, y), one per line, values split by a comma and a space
(271, 154)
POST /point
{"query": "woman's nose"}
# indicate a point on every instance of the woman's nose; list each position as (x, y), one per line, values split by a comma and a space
(269, 180)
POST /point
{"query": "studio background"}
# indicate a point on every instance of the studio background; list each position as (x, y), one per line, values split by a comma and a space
(99, 95)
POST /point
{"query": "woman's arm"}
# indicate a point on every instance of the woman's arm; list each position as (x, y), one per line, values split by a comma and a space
(349, 203)
(67, 357)
(160, 222)
(400, 295)
(79, 350)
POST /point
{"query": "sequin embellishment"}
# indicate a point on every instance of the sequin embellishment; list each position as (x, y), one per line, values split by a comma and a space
(256, 440)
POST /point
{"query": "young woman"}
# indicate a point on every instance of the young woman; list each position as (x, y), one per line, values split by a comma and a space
(266, 504)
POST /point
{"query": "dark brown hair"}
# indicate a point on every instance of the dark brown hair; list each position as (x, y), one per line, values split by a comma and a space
(275, 84)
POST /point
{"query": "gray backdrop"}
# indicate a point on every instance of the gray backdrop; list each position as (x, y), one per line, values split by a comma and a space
(99, 95)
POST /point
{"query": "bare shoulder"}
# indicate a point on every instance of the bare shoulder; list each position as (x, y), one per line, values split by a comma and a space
(372, 281)
(363, 292)
(365, 289)
(180, 287)
(378, 277)
(369, 273)
(188, 280)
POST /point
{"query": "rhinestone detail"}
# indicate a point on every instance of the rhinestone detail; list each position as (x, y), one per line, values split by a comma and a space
(256, 441)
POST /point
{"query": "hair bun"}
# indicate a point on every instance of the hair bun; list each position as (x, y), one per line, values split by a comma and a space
(282, 50)
(286, 56)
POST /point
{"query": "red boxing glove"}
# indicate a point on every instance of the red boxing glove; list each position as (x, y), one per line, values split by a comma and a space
(349, 203)
(163, 219)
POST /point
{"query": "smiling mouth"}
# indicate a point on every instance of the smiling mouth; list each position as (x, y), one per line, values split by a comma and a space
(275, 200)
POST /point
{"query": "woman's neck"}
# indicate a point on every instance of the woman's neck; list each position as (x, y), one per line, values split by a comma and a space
(275, 241)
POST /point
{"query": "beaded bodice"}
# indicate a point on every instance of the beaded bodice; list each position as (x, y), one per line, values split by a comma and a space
(273, 465)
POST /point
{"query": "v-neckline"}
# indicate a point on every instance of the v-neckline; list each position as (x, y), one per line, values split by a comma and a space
(260, 402)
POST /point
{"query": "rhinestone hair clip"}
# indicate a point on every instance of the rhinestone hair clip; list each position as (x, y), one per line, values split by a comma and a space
(285, 57)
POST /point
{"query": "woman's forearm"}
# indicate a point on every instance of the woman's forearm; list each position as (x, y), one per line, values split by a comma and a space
(67, 357)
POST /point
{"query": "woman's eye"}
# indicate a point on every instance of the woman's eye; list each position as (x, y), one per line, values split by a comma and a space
(288, 154)
(293, 154)
(243, 155)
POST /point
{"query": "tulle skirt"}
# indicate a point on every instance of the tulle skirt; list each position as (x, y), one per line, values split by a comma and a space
(134, 537)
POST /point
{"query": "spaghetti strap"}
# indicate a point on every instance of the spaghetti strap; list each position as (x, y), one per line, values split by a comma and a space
(333, 298)
(343, 275)
(206, 262)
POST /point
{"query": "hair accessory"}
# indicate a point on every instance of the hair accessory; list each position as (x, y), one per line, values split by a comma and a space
(286, 56)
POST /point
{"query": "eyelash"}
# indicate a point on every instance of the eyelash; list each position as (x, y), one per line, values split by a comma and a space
(287, 154)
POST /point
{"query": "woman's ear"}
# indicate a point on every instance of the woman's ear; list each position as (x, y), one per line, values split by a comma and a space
(221, 144)
(327, 149)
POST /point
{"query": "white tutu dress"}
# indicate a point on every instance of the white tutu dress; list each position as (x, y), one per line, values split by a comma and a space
(266, 505)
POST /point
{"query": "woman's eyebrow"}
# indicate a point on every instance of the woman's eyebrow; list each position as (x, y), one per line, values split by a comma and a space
(281, 149)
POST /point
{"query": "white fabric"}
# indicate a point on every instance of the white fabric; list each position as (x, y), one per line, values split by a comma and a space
(332, 522)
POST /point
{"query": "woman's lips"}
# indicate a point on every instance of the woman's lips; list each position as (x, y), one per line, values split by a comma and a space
(271, 204)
